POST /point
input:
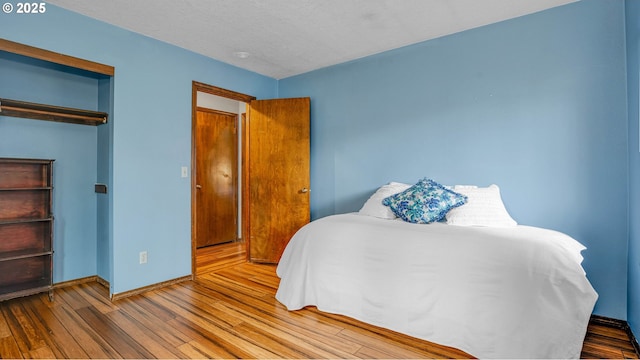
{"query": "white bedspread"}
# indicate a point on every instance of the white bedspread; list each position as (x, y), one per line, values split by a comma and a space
(517, 292)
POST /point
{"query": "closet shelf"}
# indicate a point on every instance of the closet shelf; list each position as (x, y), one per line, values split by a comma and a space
(29, 110)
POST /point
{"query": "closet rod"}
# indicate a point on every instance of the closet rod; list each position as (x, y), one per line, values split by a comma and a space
(23, 109)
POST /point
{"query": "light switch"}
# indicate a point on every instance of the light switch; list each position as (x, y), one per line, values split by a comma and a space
(185, 172)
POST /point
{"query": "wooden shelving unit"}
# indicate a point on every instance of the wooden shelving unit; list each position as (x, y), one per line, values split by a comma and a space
(26, 227)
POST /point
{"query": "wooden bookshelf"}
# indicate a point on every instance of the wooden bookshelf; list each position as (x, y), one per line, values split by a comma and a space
(26, 227)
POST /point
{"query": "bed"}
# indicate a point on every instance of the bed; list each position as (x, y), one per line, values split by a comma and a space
(501, 291)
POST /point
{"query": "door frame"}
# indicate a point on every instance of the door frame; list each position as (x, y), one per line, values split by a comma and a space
(213, 90)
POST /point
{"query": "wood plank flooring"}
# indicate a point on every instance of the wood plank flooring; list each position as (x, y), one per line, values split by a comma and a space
(606, 342)
(229, 312)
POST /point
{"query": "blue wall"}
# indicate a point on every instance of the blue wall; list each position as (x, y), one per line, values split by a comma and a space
(536, 105)
(633, 83)
(147, 142)
(104, 175)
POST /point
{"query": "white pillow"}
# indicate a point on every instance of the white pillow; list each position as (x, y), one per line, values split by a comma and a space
(484, 207)
(374, 207)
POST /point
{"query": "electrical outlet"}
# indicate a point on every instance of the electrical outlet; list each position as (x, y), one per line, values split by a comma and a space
(143, 257)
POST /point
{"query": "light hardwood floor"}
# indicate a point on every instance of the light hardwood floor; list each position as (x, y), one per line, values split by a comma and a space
(229, 312)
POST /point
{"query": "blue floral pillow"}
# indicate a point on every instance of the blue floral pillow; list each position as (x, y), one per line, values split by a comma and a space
(424, 203)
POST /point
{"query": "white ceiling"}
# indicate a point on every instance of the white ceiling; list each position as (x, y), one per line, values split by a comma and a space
(290, 37)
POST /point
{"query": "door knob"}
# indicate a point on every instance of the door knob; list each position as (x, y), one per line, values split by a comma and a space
(198, 186)
(304, 190)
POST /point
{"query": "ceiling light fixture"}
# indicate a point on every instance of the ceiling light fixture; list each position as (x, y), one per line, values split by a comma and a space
(241, 54)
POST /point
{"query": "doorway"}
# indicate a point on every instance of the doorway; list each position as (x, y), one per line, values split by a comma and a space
(274, 156)
(216, 174)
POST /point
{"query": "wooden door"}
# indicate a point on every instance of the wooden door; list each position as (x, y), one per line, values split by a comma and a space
(275, 175)
(216, 158)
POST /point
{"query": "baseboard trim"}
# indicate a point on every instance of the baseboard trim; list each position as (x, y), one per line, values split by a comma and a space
(137, 291)
(618, 324)
(103, 282)
(79, 281)
(122, 295)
